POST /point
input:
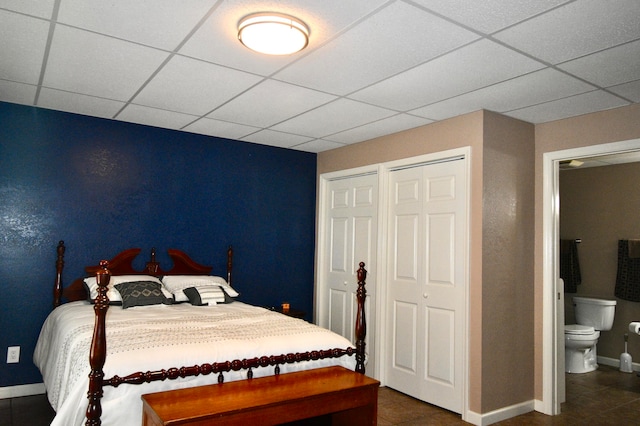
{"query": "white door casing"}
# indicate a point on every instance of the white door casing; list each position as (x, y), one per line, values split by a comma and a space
(426, 279)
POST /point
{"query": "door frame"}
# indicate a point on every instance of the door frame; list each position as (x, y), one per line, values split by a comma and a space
(552, 366)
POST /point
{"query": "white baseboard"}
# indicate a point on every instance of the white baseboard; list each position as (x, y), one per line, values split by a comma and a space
(500, 414)
(21, 390)
(613, 362)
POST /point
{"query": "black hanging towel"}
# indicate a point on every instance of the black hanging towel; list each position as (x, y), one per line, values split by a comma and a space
(628, 276)
(570, 266)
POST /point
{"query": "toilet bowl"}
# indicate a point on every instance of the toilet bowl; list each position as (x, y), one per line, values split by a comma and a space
(592, 316)
(580, 348)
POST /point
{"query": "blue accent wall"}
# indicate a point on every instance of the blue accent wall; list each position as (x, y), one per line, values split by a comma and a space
(103, 186)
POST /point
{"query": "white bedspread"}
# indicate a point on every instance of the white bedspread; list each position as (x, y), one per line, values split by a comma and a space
(160, 337)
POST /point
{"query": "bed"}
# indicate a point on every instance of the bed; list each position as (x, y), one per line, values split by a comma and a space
(122, 333)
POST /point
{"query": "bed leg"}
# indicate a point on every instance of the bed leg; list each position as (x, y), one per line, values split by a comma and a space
(361, 322)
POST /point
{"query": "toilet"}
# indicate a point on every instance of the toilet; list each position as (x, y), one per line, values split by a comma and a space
(592, 316)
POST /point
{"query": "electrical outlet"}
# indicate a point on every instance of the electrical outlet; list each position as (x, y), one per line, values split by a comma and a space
(13, 354)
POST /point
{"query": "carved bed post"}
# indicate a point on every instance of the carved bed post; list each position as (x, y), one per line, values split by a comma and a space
(361, 322)
(98, 351)
(229, 264)
(57, 288)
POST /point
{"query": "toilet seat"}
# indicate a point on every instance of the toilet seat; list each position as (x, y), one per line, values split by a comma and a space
(578, 329)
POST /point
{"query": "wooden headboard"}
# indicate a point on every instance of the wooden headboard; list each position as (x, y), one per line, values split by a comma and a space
(121, 264)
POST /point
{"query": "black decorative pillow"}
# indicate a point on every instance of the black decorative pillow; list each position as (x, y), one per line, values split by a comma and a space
(207, 295)
(141, 293)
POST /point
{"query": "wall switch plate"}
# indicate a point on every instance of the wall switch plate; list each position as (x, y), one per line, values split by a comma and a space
(13, 354)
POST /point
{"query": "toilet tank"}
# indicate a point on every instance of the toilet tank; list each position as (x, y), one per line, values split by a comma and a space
(598, 313)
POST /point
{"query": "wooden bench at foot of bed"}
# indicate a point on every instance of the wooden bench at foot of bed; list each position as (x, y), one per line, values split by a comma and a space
(339, 395)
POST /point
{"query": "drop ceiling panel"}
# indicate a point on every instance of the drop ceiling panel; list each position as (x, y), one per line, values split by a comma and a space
(469, 68)
(278, 101)
(374, 50)
(18, 93)
(194, 87)
(39, 8)
(155, 117)
(79, 104)
(223, 129)
(568, 107)
(382, 127)
(93, 64)
(610, 67)
(629, 91)
(22, 47)
(531, 89)
(332, 118)
(217, 40)
(577, 29)
(318, 145)
(143, 22)
(489, 16)
(273, 138)
(372, 67)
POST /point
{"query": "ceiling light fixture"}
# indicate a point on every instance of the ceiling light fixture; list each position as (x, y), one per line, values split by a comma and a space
(273, 33)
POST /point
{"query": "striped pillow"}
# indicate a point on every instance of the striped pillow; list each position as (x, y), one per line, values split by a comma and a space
(205, 295)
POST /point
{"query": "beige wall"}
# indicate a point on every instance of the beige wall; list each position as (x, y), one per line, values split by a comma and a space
(501, 285)
(507, 263)
(600, 206)
(614, 125)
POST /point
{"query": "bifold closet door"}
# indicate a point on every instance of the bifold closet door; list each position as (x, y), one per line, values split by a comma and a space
(350, 237)
(426, 281)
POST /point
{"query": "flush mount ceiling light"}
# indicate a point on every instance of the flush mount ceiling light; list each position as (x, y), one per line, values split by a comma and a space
(273, 33)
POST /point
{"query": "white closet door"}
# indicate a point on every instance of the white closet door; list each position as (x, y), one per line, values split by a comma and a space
(426, 282)
(350, 227)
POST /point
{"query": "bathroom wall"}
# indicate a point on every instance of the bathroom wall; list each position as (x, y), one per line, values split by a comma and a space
(600, 205)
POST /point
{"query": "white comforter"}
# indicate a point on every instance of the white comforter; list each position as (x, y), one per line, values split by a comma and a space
(160, 337)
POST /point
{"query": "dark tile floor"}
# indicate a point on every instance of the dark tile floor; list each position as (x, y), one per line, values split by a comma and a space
(603, 397)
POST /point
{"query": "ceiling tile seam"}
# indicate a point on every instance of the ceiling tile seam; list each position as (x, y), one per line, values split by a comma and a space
(477, 31)
(553, 100)
(445, 17)
(172, 53)
(272, 130)
(534, 16)
(364, 125)
(273, 124)
(595, 87)
(595, 52)
(462, 46)
(321, 140)
(47, 49)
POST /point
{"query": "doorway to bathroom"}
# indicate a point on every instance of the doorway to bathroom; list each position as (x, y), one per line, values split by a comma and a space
(553, 318)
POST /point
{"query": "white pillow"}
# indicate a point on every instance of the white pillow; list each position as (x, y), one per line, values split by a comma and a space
(112, 293)
(177, 283)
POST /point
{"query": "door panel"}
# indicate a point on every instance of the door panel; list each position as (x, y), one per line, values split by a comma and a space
(426, 271)
(351, 224)
(405, 317)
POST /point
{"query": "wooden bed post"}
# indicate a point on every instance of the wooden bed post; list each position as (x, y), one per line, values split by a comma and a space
(361, 322)
(229, 264)
(98, 351)
(57, 287)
